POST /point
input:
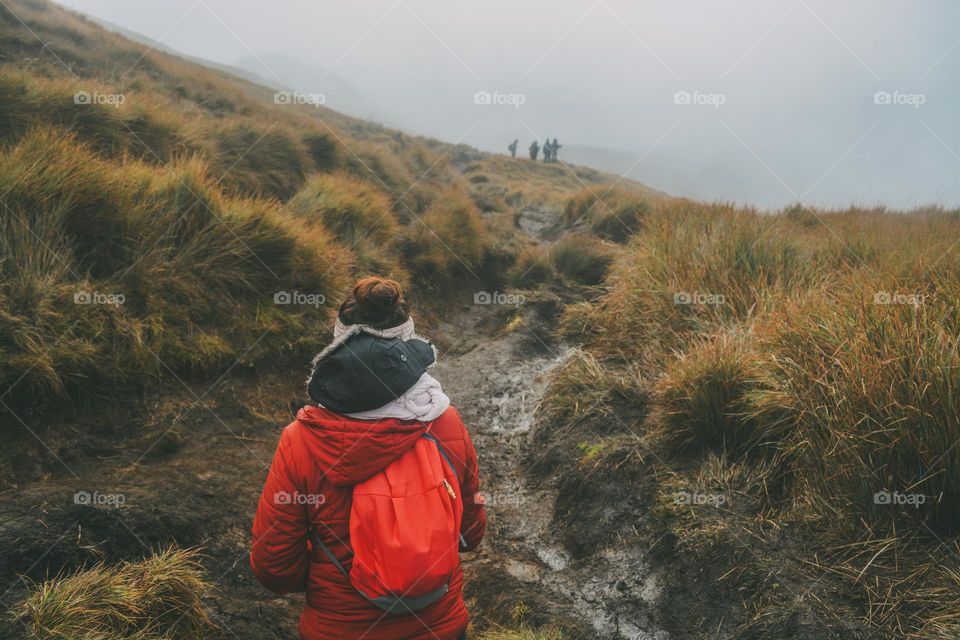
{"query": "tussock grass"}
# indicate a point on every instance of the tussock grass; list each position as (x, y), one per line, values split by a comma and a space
(612, 213)
(702, 397)
(143, 127)
(586, 401)
(359, 215)
(196, 269)
(532, 267)
(257, 159)
(829, 347)
(350, 208)
(447, 244)
(374, 164)
(581, 259)
(697, 269)
(158, 598)
(874, 389)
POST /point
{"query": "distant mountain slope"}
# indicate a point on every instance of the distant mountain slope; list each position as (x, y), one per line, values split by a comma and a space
(348, 107)
(238, 71)
(307, 78)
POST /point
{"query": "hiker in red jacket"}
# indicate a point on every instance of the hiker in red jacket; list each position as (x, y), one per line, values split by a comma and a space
(373, 490)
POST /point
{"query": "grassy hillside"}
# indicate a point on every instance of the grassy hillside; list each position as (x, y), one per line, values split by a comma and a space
(767, 404)
(165, 227)
(154, 208)
(782, 391)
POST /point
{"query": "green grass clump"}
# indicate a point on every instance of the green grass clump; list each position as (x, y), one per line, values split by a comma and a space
(350, 208)
(323, 149)
(702, 397)
(373, 163)
(359, 215)
(258, 160)
(158, 598)
(611, 212)
(448, 243)
(532, 267)
(586, 400)
(581, 259)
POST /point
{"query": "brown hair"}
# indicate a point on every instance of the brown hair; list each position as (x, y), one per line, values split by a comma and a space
(377, 302)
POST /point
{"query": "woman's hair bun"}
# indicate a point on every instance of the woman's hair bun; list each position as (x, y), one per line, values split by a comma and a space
(377, 302)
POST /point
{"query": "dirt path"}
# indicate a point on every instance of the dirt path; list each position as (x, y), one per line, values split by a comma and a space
(497, 382)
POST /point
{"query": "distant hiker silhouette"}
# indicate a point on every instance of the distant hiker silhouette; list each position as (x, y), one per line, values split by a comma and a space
(547, 150)
(534, 150)
(373, 491)
(513, 148)
(554, 148)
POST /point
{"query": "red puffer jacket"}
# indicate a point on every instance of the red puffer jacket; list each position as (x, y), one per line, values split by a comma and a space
(320, 457)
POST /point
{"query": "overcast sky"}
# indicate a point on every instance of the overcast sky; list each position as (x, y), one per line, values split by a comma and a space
(762, 102)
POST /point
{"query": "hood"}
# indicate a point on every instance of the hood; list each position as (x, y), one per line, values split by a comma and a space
(352, 450)
(364, 368)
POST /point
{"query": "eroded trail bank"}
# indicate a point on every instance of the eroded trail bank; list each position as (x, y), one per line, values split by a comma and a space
(497, 378)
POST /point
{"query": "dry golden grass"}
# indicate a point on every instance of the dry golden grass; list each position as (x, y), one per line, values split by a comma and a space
(189, 273)
(611, 212)
(448, 243)
(158, 598)
(828, 342)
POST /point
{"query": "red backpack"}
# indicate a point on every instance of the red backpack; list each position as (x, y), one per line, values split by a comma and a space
(405, 530)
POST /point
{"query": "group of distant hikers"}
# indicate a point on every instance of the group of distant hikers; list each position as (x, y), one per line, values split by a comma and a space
(549, 148)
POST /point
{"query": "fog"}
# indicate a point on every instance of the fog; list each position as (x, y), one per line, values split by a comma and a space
(762, 102)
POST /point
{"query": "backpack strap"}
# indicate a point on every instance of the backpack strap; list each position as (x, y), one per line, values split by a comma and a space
(443, 454)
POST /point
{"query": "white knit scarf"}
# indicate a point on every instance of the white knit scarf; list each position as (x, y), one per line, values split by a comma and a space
(424, 401)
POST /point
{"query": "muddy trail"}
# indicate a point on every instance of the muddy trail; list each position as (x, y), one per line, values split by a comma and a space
(187, 465)
(497, 382)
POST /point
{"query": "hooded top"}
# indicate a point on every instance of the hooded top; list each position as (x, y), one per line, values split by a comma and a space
(365, 372)
(319, 458)
(377, 373)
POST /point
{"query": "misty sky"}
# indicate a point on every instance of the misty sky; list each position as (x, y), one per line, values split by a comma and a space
(756, 101)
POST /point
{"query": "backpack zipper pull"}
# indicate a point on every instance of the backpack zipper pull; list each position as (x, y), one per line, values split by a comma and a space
(453, 494)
